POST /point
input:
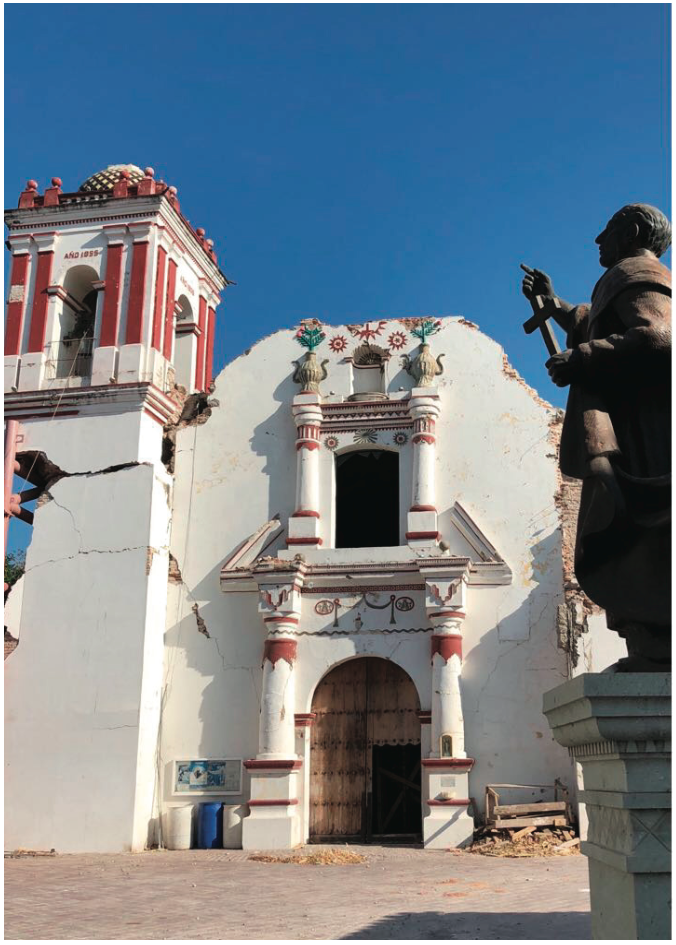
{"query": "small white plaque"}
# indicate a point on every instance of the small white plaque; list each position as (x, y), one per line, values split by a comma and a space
(447, 782)
(16, 293)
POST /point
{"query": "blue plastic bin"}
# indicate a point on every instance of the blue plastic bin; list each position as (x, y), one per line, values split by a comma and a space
(210, 827)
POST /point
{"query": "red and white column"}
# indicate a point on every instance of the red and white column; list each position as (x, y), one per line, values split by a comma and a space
(32, 374)
(134, 352)
(104, 363)
(304, 524)
(422, 517)
(17, 297)
(274, 820)
(447, 820)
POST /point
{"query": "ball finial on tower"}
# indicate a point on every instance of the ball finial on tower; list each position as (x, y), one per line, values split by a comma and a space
(149, 172)
(31, 185)
(56, 181)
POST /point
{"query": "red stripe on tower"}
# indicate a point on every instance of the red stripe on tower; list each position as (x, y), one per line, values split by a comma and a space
(36, 338)
(17, 301)
(110, 317)
(210, 347)
(201, 344)
(159, 296)
(169, 310)
(137, 293)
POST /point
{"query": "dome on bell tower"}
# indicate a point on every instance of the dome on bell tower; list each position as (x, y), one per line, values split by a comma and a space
(103, 181)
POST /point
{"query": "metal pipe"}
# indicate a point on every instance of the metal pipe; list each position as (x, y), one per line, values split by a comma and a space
(11, 433)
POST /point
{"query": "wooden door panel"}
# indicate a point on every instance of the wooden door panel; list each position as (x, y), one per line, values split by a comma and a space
(360, 704)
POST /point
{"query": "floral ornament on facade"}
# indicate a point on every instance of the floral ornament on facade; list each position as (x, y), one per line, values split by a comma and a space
(426, 327)
(310, 334)
(396, 341)
(331, 443)
(365, 332)
(338, 344)
(400, 438)
(366, 436)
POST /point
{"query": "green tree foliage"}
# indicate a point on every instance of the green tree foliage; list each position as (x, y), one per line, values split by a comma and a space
(15, 565)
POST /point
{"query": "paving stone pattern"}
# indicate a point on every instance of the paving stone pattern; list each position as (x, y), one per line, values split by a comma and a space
(398, 893)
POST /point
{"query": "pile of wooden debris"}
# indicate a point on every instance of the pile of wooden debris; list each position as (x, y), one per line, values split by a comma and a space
(528, 841)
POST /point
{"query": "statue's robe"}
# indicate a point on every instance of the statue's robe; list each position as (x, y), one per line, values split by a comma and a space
(619, 415)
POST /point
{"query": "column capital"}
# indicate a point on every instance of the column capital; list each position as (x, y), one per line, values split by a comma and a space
(279, 600)
(46, 242)
(115, 233)
(445, 601)
(19, 245)
(307, 409)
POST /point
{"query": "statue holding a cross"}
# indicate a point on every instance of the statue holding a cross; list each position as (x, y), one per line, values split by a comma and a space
(617, 430)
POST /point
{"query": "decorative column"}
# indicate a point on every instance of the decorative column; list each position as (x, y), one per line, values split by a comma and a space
(618, 727)
(32, 374)
(16, 306)
(274, 821)
(447, 821)
(104, 362)
(132, 365)
(422, 518)
(304, 524)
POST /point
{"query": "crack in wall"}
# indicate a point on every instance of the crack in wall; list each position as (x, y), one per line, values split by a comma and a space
(201, 625)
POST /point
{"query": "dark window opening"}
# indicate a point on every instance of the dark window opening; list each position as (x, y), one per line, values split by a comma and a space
(367, 499)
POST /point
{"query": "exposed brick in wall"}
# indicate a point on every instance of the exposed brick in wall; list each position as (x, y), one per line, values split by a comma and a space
(11, 643)
(572, 615)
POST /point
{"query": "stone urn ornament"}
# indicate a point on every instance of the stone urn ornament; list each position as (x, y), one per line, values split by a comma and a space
(309, 372)
(424, 367)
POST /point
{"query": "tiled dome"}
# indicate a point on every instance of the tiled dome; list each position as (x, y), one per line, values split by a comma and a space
(103, 181)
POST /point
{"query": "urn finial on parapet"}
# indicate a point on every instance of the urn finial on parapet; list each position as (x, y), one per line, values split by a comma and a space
(309, 372)
(424, 367)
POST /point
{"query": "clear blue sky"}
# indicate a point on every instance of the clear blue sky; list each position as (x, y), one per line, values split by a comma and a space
(359, 161)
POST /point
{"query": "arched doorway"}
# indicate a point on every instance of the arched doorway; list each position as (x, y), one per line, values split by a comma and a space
(365, 753)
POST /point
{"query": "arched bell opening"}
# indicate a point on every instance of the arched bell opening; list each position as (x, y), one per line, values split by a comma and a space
(365, 771)
(71, 351)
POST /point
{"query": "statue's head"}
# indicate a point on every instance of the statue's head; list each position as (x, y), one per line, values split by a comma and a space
(633, 230)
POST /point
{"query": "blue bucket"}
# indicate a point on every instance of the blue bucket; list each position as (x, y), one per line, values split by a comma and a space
(210, 827)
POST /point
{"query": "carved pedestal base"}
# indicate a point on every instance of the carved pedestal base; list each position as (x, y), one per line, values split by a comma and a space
(447, 822)
(618, 727)
(273, 822)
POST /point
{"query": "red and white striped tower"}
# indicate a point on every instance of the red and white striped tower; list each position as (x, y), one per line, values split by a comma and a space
(111, 303)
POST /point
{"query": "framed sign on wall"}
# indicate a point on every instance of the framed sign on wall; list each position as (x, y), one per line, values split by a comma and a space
(208, 776)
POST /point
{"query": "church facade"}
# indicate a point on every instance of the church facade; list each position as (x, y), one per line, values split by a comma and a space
(327, 587)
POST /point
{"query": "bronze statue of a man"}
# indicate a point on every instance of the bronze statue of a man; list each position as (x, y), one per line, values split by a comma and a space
(617, 430)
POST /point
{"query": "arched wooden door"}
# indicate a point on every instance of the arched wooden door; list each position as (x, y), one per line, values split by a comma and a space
(365, 753)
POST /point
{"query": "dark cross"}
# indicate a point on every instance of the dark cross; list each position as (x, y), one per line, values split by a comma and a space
(540, 320)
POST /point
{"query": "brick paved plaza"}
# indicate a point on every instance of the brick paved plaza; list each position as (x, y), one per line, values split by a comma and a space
(398, 893)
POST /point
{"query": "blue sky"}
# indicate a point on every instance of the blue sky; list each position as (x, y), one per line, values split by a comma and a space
(357, 161)
(360, 161)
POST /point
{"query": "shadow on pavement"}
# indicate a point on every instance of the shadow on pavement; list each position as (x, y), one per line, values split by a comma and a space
(519, 926)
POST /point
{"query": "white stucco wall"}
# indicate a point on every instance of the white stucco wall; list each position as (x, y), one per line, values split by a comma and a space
(495, 456)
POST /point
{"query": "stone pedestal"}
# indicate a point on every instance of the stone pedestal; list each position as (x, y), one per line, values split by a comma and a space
(618, 727)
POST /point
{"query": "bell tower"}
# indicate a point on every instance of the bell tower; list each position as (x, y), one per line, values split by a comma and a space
(111, 316)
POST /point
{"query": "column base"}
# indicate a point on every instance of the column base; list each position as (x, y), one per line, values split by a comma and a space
(618, 727)
(32, 373)
(447, 825)
(104, 365)
(12, 362)
(273, 822)
(131, 364)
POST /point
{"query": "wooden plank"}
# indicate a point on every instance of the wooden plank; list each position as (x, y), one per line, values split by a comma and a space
(523, 833)
(527, 821)
(507, 810)
(569, 843)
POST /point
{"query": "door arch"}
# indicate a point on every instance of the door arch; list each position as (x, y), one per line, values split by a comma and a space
(365, 753)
